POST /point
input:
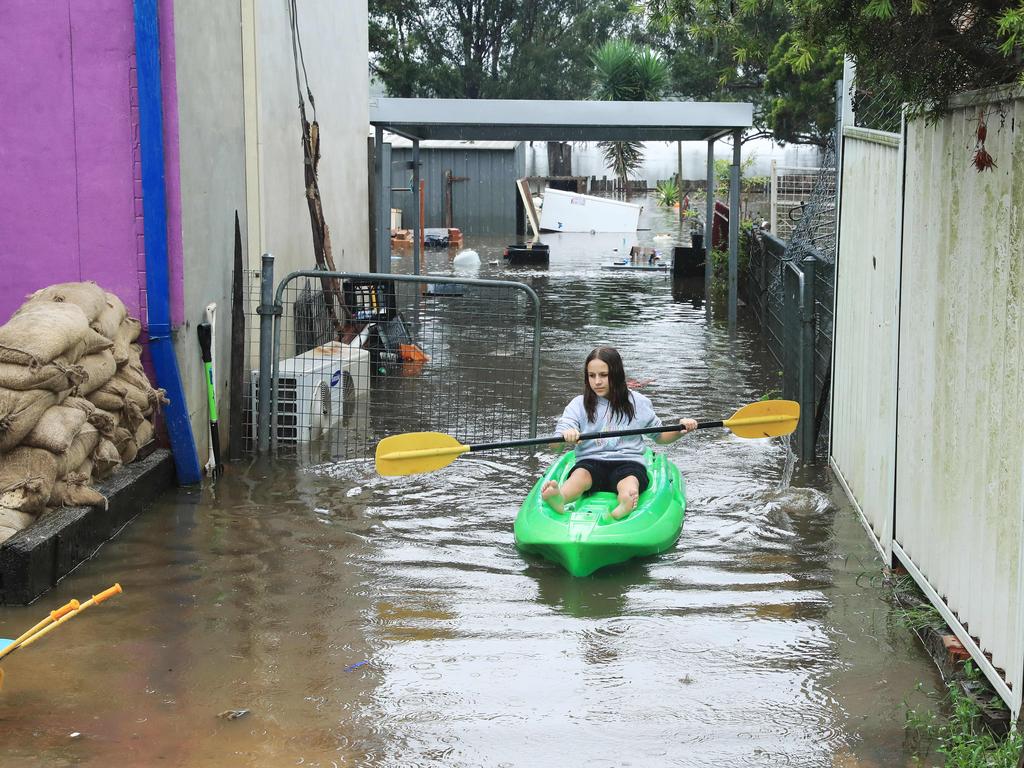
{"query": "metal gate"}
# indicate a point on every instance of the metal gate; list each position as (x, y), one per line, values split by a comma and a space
(790, 289)
(350, 358)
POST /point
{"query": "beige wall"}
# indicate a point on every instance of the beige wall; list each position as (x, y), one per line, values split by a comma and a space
(208, 58)
(240, 149)
(334, 47)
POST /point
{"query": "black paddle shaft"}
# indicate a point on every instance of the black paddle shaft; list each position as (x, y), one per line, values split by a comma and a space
(590, 436)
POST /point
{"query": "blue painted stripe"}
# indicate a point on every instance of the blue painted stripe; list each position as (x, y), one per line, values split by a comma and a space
(154, 208)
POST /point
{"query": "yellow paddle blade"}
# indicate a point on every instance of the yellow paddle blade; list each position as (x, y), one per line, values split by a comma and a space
(765, 418)
(417, 452)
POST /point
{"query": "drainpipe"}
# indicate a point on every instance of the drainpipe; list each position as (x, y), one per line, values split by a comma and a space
(154, 208)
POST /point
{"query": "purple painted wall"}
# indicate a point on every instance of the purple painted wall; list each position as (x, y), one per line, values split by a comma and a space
(70, 199)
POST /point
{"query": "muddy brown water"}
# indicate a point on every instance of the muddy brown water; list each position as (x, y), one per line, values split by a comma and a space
(368, 621)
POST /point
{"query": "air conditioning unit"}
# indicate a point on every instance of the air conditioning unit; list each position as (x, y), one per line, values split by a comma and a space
(312, 389)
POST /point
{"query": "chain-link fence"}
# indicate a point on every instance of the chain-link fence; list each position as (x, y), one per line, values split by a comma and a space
(361, 357)
(798, 336)
(877, 102)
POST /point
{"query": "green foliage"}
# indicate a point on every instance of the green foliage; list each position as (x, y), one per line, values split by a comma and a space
(800, 104)
(925, 50)
(667, 193)
(720, 264)
(623, 158)
(625, 71)
(726, 51)
(723, 171)
(1010, 31)
(961, 738)
(487, 49)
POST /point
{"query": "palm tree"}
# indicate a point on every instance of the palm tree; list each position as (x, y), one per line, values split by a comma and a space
(627, 72)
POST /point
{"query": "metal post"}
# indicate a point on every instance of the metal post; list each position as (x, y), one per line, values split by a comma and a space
(382, 226)
(805, 436)
(762, 281)
(734, 223)
(773, 205)
(418, 225)
(709, 218)
(679, 179)
(846, 98)
(839, 160)
(266, 313)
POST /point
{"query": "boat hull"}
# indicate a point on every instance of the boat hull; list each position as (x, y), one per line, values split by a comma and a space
(585, 537)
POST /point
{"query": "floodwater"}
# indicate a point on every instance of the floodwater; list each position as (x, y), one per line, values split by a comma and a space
(368, 621)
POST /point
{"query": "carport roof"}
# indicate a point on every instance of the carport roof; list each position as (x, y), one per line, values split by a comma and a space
(515, 120)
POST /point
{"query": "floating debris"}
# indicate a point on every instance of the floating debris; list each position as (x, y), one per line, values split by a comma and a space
(233, 714)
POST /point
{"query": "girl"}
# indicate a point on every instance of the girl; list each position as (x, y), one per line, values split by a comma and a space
(612, 464)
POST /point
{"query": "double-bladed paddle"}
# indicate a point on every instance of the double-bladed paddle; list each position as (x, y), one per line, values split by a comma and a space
(416, 452)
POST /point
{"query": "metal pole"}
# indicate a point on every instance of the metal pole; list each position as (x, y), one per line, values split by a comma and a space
(734, 223)
(773, 205)
(418, 225)
(535, 376)
(266, 313)
(679, 178)
(806, 384)
(709, 218)
(382, 192)
(275, 364)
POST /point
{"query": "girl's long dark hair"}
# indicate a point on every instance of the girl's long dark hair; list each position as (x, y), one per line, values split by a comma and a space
(618, 392)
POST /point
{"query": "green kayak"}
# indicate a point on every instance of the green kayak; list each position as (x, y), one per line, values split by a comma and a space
(586, 537)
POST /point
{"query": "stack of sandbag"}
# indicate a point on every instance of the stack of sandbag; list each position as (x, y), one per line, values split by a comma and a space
(75, 402)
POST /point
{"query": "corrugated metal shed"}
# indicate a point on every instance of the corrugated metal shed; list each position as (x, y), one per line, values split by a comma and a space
(483, 192)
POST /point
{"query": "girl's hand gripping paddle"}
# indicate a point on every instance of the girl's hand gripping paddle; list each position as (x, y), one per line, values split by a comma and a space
(416, 452)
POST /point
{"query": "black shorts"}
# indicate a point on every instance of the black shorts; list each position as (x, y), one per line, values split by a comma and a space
(607, 474)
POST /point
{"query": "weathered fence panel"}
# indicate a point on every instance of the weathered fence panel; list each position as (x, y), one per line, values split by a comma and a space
(867, 291)
(959, 457)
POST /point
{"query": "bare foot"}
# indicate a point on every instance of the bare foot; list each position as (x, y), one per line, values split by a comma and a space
(551, 494)
(625, 506)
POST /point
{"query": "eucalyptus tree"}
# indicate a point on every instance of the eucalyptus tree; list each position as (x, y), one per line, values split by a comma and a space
(501, 49)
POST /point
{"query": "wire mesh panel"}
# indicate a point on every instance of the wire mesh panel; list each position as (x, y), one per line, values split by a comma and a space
(877, 102)
(362, 357)
(790, 190)
(244, 408)
(765, 254)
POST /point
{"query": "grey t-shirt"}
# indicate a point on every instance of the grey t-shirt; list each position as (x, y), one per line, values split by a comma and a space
(629, 448)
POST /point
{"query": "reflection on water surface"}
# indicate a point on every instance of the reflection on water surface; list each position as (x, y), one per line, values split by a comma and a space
(368, 621)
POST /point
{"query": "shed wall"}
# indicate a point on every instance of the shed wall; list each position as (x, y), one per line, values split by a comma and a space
(483, 204)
